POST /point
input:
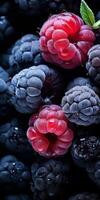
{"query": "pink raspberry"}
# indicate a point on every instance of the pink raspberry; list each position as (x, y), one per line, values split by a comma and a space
(65, 40)
(49, 132)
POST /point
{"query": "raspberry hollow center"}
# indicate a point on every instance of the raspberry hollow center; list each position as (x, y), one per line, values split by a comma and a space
(51, 137)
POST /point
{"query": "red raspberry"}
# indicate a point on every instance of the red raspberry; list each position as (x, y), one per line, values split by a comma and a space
(65, 40)
(49, 133)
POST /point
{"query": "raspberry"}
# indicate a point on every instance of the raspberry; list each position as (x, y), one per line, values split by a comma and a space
(13, 137)
(82, 106)
(25, 53)
(93, 64)
(31, 86)
(49, 132)
(85, 149)
(63, 45)
(13, 173)
(49, 178)
(93, 171)
(17, 197)
(85, 196)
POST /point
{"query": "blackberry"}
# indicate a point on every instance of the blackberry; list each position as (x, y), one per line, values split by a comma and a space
(31, 7)
(82, 106)
(93, 64)
(81, 81)
(49, 178)
(7, 32)
(5, 7)
(85, 196)
(17, 197)
(93, 170)
(13, 173)
(13, 137)
(25, 53)
(57, 6)
(85, 149)
(5, 105)
(31, 87)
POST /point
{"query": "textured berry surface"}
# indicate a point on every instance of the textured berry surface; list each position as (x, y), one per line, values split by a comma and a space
(25, 53)
(31, 86)
(85, 196)
(63, 45)
(93, 64)
(49, 132)
(13, 173)
(49, 178)
(81, 81)
(93, 171)
(13, 138)
(86, 149)
(81, 105)
(7, 32)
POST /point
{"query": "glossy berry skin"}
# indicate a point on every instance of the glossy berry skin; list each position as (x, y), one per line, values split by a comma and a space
(65, 40)
(49, 133)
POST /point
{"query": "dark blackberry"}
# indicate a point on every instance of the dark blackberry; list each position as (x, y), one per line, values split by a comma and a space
(5, 106)
(31, 7)
(85, 149)
(85, 196)
(25, 53)
(7, 32)
(57, 6)
(93, 64)
(48, 179)
(5, 7)
(82, 106)
(13, 173)
(13, 138)
(31, 87)
(17, 197)
(81, 81)
(93, 170)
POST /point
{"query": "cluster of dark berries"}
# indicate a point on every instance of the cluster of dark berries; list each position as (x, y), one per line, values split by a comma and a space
(49, 100)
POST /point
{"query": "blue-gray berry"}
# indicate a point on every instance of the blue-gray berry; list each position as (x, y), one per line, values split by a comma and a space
(82, 106)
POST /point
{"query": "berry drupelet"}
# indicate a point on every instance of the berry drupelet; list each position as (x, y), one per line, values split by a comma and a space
(7, 32)
(30, 87)
(49, 179)
(93, 64)
(65, 40)
(13, 138)
(82, 106)
(85, 196)
(13, 173)
(49, 132)
(85, 149)
(93, 170)
(25, 53)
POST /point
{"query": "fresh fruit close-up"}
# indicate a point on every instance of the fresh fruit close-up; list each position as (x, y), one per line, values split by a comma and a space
(49, 100)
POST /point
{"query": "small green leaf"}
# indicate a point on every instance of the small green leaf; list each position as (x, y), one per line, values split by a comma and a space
(96, 25)
(87, 14)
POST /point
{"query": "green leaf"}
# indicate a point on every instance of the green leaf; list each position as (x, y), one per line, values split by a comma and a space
(96, 25)
(87, 14)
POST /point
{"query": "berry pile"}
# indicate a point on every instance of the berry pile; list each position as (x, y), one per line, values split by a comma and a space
(49, 100)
